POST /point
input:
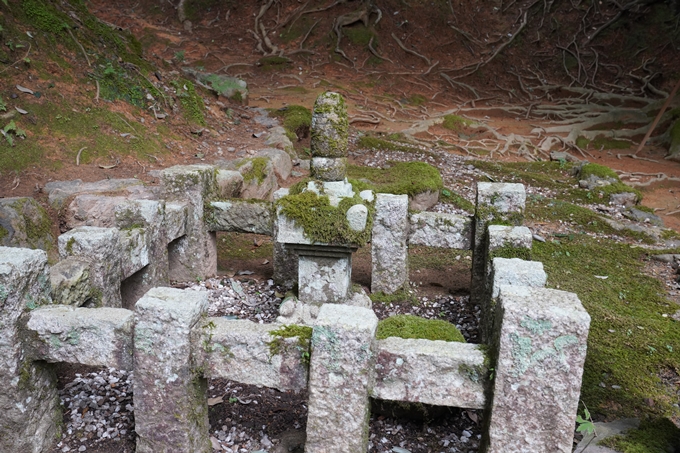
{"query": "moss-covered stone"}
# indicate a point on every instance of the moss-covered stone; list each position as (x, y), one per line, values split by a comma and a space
(324, 223)
(409, 326)
(303, 335)
(330, 131)
(297, 120)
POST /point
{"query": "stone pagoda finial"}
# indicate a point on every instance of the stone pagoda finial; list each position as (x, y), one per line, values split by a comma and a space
(329, 138)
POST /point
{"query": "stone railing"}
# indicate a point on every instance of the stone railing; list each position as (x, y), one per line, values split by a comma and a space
(526, 375)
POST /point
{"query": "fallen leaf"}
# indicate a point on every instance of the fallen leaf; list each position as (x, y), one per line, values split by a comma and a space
(108, 167)
(22, 111)
(215, 401)
(24, 89)
(602, 277)
(244, 401)
(265, 262)
(258, 242)
(245, 272)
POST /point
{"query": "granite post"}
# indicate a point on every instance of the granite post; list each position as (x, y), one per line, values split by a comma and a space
(171, 410)
(341, 377)
(29, 403)
(389, 246)
(539, 350)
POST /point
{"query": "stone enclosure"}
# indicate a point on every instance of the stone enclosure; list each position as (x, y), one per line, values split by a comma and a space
(106, 302)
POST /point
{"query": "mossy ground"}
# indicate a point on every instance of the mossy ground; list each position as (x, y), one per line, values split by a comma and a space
(658, 435)
(630, 341)
(71, 127)
(409, 326)
(455, 122)
(449, 196)
(399, 178)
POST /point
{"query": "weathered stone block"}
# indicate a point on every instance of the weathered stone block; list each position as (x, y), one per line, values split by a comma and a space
(176, 220)
(70, 281)
(323, 280)
(330, 126)
(29, 403)
(424, 200)
(389, 249)
(430, 372)
(91, 210)
(496, 203)
(540, 349)
(193, 255)
(229, 183)
(259, 179)
(328, 168)
(24, 223)
(59, 191)
(277, 138)
(87, 336)
(171, 411)
(281, 161)
(242, 351)
(243, 216)
(441, 230)
(516, 272)
(101, 247)
(144, 242)
(341, 370)
(502, 236)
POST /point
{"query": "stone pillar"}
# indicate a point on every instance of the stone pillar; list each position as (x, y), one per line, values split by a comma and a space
(101, 247)
(539, 350)
(29, 403)
(285, 261)
(497, 203)
(194, 256)
(329, 137)
(143, 221)
(341, 378)
(171, 410)
(389, 244)
(502, 242)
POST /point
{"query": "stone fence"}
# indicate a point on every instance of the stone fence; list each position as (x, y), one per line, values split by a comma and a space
(105, 304)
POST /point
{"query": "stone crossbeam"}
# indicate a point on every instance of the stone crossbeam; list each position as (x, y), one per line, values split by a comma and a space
(431, 372)
(87, 336)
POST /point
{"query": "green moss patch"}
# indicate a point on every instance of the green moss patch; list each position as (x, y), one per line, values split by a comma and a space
(302, 333)
(256, 171)
(455, 122)
(448, 196)
(297, 120)
(274, 63)
(408, 178)
(601, 142)
(192, 103)
(653, 436)
(599, 171)
(360, 35)
(368, 142)
(324, 223)
(553, 175)
(630, 342)
(409, 326)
